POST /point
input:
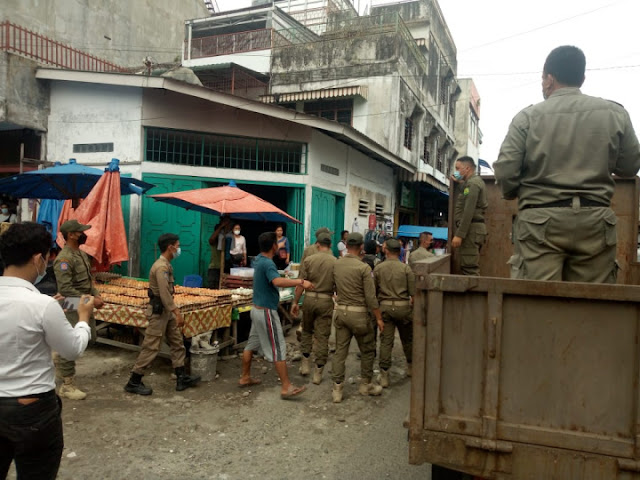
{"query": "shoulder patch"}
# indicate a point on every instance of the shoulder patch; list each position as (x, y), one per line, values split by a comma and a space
(64, 266)
(466, 191)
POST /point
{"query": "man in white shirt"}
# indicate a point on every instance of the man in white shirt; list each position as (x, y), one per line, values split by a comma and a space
(31, 326)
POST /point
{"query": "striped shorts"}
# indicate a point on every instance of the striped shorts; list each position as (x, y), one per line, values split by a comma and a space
(266, 335)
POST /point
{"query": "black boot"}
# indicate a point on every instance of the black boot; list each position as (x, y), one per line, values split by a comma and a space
(185, 381)
(135, 385)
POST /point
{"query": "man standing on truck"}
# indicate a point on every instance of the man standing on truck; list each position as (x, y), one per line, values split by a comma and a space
(557, 159)
(471, 203)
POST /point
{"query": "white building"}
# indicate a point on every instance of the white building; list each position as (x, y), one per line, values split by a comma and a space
(180, 136)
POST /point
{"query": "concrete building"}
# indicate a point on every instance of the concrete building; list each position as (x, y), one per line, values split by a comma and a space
(390, 75)
(99, 36)
(181, 136)
(468, 134)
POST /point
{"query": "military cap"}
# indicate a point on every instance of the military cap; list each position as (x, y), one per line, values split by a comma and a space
(355, 238)
(324, 238)
(73, 226)
(393, 244)
(322, 230)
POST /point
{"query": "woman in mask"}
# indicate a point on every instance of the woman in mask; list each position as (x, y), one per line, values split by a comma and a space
(237, 248)
(6, 215)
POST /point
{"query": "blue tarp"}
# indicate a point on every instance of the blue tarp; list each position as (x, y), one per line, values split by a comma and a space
(48, 215)
(414, 231)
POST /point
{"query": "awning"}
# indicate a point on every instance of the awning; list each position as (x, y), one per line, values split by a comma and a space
(341, 92)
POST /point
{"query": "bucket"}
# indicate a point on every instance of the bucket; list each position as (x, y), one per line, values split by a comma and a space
(203, 364)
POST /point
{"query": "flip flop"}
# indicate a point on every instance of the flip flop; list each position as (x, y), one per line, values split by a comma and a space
(293, 392)
(252, 381)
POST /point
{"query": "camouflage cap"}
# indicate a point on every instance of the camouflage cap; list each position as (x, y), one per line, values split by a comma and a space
(355, 238)
(324, 239)
(73, 226)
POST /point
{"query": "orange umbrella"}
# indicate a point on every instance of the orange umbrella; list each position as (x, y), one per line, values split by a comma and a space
(102, 209)
(228, 200)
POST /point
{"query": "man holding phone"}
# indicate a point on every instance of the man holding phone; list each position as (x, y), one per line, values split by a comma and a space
(31, 326)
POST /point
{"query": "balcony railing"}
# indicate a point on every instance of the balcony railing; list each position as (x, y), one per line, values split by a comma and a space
(232, 43)
(19, 40)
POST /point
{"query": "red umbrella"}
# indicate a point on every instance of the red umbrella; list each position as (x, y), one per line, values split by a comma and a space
(102, 209)
(229, 200)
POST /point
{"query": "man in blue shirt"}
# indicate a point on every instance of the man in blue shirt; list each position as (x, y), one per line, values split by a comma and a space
(266, 331)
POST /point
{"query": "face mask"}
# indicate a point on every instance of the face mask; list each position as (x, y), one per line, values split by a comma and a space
(178, 252)
(457, 175)
(236, 232)
(5, 211)
(41, 275)
(82, 239)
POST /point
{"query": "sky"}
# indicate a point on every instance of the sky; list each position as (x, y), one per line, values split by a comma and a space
(502, 45)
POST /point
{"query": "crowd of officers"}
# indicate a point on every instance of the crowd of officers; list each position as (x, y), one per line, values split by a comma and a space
(359, 302)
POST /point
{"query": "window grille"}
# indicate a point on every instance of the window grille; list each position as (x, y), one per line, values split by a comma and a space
(92, 147)
(426, 153)
(340, 111)
(379, 210)
(223, 151)
(408, 132)
(363, 207)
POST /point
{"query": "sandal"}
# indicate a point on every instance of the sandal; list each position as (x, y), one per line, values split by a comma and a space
(252, 381)
(292, 392)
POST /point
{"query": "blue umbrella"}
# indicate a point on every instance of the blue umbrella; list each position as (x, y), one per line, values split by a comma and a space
(70, 181)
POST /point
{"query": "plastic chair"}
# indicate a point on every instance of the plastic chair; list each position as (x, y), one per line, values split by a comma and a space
(194, 281)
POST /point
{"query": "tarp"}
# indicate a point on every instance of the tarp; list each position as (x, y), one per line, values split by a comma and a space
(48, 215)
(102, 209)
(414, 231)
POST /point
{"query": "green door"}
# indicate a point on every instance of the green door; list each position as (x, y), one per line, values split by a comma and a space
(295, 231)
(159, 218)
(327, 210)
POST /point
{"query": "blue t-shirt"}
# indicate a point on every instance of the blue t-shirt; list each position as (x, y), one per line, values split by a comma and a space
(265, 294)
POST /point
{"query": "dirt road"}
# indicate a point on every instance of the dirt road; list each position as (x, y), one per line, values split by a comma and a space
(219, 431)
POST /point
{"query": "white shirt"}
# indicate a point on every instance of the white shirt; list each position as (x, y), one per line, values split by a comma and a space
(10, 218)
(31, 326)
(342, 248)
(240, 247)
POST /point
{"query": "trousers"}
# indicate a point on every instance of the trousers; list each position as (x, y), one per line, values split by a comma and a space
(574, 244)
(31, 435)
(316, 324)
(470, 249)
(348, 325)
(399, 317)
(162, 325)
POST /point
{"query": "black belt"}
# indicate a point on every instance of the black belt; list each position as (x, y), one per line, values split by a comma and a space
(584, 202)
(13, 400)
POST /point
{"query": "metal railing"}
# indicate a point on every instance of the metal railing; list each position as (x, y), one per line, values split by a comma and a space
(231, 43)
(24, 42)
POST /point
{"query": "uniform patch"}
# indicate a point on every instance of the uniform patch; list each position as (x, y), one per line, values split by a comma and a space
(64, 266)
(466, 191)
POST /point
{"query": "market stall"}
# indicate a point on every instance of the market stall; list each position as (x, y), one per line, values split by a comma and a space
(126, 302)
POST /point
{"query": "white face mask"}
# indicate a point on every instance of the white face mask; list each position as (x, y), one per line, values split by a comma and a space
(178, 252)
(236, 232)
(41, 275)
(5, 211)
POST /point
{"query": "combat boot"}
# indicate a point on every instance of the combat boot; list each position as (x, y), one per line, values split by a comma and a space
(135, 385)
(70, 391)
(384, 378)
(184, 381)
(408, 369)
(299, 333)
(305, 366)
(369, 388)
(336, 393)
(317, 375)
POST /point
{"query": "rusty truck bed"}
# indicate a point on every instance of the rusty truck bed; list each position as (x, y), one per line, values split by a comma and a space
(518, 379)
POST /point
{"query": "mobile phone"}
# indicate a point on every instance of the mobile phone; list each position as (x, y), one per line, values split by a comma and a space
(70, 304)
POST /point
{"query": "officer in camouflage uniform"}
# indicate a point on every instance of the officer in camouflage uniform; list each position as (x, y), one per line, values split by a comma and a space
(72, 269)
(557, 159)
(317, 309)
(165, 319)
(396, 286)
(471, 203)
(356, 297)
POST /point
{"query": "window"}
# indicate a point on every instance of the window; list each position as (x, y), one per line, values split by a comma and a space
(439, 159)
(92, 147)
(340, 111)
(444, 91)
(222, 151)
(426, 153)
(379, 210)
(328, 169)
(408, 132)
(363, 208)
